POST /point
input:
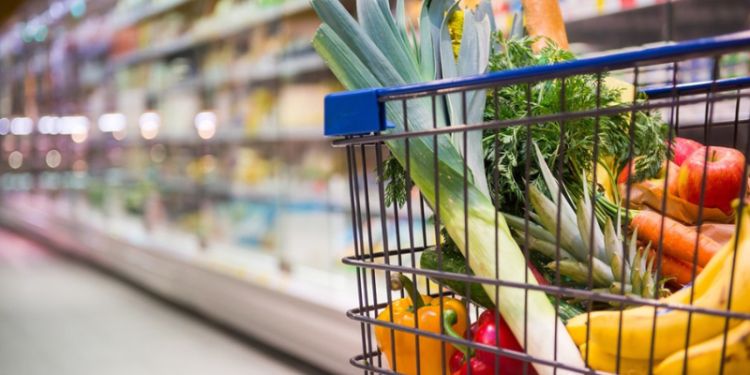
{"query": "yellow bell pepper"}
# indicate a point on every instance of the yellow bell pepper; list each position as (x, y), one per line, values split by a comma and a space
(402, 356)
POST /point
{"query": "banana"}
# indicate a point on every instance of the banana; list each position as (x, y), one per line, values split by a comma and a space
(577, 325)
(600, 360)
(705, 358)
(671, 325)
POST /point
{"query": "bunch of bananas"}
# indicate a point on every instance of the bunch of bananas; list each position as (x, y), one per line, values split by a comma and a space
(668, 329)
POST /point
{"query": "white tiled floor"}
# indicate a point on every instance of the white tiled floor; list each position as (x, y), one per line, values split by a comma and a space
(60, 317)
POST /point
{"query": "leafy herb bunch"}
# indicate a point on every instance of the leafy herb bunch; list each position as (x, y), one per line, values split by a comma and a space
(506, 151)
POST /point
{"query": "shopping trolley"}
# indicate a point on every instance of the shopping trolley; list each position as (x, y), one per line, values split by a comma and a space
(389, 237)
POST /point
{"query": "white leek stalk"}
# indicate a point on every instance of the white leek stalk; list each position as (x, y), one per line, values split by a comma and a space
(351, 51)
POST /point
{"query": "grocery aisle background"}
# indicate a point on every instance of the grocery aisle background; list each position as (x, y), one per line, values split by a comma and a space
(178, 144)
(60, 316)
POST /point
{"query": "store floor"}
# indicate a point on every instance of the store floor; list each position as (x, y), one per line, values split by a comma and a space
(58, 316)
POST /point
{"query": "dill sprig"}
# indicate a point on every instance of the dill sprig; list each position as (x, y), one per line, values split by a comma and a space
(394, 177)
(505, 149)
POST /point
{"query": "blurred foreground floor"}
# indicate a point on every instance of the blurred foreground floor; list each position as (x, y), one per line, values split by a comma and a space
(60, 317)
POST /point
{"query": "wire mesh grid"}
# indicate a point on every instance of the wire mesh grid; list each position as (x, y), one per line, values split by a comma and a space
(444, 205)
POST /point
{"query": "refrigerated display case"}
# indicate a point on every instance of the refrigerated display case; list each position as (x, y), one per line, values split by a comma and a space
(179, 143)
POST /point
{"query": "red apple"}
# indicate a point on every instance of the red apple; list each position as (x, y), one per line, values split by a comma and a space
(682, 148)
(723, 177)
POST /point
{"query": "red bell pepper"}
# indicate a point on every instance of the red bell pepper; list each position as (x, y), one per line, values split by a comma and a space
(486, 331)
(488, 328)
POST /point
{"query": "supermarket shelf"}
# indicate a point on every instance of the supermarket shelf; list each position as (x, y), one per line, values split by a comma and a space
(284, 198)
(272, 68)
(307, 63)
(306, 134)
(145, 12)
(227, 30)
(692, 19)
(275, 68)
(174, 45)
(217, 293)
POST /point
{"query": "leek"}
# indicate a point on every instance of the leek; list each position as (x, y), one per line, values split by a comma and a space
(350, 50)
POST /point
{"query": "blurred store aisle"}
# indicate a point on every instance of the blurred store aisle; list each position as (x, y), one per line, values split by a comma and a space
(57, 316)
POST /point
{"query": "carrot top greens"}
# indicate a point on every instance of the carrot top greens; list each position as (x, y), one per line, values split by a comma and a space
(505, 149)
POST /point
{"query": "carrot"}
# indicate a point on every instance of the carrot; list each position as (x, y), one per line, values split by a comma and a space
(675, 268)
(678, 240)
(544, 18)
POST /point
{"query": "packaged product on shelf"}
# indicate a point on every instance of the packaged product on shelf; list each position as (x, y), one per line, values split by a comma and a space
(301, 105)
(259, 108)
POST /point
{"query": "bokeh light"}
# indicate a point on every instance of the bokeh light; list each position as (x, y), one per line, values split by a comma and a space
(205, 123)
(53, 158)
(15, 159)
(4, 126)
(149, 122)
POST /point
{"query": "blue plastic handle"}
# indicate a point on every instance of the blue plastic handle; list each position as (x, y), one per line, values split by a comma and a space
(699, 87)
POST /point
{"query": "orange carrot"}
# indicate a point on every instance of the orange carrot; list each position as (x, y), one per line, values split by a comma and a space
(680, 271)
(544, 18)
(678, 240)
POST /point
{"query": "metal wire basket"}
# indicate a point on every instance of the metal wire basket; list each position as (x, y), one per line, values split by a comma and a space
(702, 100)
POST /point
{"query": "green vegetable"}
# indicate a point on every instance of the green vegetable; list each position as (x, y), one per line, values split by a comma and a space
(453, 261)
(394, 177)
(505, 149)
(350, 50)
(581, 238)
(567, 310)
